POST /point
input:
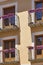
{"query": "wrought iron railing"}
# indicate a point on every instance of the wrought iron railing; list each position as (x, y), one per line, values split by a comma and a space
(10, 19)
(32, 16)
(32, 52)
(11, 50)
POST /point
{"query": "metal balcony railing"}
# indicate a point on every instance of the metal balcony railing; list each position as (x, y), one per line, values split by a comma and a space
(32, 15)
(32, 53)
(11, 50)
(9, 20)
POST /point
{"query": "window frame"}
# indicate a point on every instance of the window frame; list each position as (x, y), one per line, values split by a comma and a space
(10, 22)
(4, 49)
(8, 5)
(36, 45)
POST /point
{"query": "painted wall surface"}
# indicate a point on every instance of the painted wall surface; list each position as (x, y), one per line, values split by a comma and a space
(23, 6)
(25, 37)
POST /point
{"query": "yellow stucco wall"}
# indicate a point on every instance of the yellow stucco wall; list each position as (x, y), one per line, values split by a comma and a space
(25, 37)
(25, 32)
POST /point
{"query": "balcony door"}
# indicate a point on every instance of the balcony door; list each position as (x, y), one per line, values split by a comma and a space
(39, 47)
(10, 54)
(10, 20)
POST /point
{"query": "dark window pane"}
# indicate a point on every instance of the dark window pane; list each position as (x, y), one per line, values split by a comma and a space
(39, 52)
(6, 55)
(39, 13)
(6, 45)
(12, 54)
(39, 41)
(13, 44)
(12, 20)
(9, 10)
(6, 22)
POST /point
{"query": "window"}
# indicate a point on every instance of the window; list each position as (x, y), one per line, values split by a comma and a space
(39, 44)
(10, 20)
(8, 44)
(38, 13)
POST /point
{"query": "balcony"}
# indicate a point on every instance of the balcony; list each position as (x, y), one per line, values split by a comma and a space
(15, 58)
(33, 21)
(9, 21)
(33, 56)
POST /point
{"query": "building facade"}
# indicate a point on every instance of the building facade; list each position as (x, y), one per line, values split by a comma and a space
(21, 31)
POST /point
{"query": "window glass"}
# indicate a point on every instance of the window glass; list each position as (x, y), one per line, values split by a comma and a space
(38, 13)
(6, 55)
(6, 45)
(39, 51)
(9, 44)
(39, 41)
(13, 44)
(12, 20)
(6, 22)
(12, 54)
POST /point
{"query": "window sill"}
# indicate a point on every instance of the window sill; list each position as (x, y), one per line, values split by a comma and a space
(36, 60)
